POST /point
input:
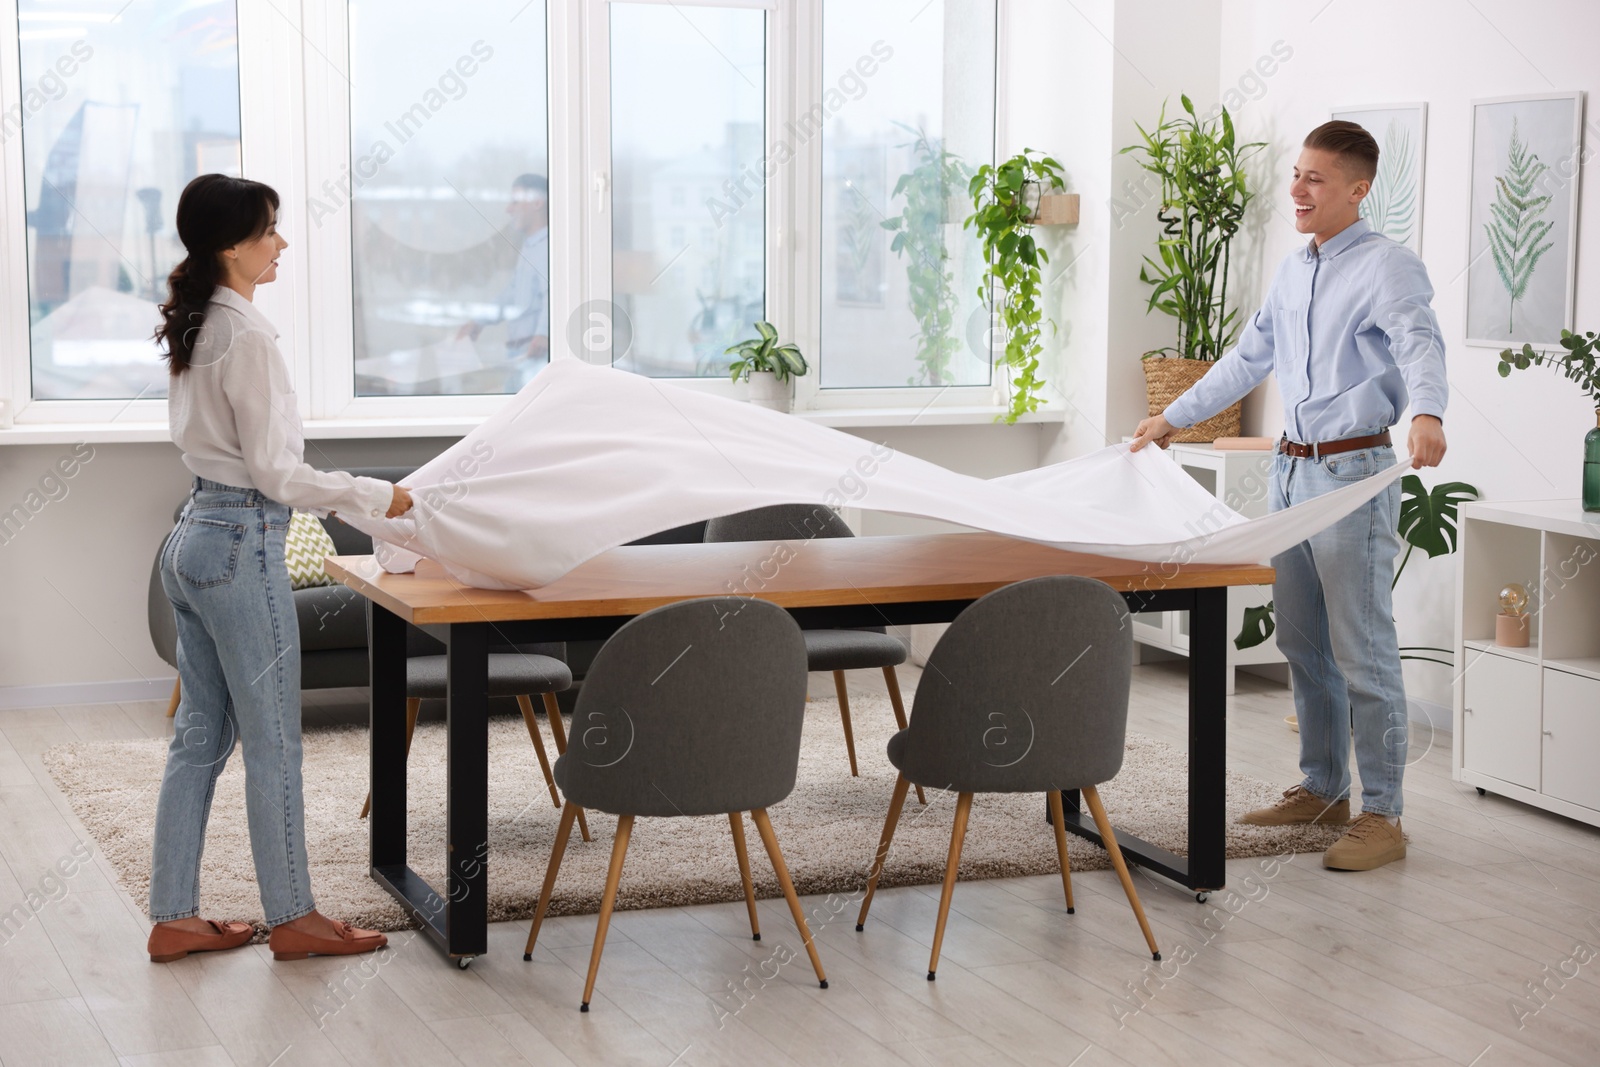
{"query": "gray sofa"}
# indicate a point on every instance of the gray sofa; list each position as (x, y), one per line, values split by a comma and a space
(333, 620)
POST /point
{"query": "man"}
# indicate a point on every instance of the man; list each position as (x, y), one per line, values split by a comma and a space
(1348, 329)
(524, 304)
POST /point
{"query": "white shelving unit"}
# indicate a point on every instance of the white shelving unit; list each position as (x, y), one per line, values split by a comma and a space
(1527, 720)
(1242, 480)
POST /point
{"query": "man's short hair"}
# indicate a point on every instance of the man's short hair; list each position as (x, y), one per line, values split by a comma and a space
(535, 182)
(1355, 147)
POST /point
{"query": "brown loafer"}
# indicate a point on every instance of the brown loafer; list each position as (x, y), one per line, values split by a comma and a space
(287, 944)
(167, 944)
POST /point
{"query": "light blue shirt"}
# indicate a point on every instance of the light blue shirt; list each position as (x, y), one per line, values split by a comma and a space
(1349, 331)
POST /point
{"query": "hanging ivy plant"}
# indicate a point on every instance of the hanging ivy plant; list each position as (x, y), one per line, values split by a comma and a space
(1012, 278)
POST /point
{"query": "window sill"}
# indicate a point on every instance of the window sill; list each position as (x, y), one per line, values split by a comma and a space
(48, 433)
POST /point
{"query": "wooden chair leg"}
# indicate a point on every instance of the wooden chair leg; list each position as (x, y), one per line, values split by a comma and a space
(532, 722)
(781, 869)
(177, 694)
(892, 680)
(413, 706)
(1092, 795)
(896, 802)
(563, 832)
(619, 850)
(958, 834)
(844, 716)
(558, 730)
(736, 820)
(1059, 819)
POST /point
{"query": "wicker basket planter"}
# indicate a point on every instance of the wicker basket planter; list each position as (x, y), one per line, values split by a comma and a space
(1167, 379)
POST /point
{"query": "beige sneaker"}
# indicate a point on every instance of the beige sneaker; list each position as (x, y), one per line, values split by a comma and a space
(1368, 844)
(1300, 805)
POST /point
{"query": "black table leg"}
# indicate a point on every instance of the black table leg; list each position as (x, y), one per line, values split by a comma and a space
(467, 790)
(1208, 738)
(387, 676)
(458, 920)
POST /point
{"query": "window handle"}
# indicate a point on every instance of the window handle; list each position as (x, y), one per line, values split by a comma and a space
(600, 184)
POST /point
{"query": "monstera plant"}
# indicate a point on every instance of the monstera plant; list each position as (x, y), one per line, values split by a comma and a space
(1427, 521)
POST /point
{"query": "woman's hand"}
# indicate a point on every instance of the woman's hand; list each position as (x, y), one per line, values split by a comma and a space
(400, 504)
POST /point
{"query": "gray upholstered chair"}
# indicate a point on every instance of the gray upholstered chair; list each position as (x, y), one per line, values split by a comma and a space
(514, 671)
(834, 651)
(1027, 692)
(687, 710)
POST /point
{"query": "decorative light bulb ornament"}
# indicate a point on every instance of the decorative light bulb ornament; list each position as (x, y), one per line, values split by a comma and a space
(1511, 626)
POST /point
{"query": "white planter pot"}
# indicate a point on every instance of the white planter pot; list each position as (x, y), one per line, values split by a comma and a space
(767, 392)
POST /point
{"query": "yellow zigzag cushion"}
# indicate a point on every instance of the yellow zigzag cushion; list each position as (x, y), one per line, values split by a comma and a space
(307, 546)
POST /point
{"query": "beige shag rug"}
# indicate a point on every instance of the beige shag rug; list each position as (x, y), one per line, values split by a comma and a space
(828, 828)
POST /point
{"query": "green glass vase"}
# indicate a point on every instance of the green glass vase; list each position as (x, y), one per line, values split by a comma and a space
(1591, 468)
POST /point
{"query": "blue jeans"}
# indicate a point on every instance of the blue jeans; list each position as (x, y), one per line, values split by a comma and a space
(239, 663)
(1335, 626)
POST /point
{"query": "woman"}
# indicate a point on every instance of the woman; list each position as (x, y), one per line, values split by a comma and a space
(232, 413)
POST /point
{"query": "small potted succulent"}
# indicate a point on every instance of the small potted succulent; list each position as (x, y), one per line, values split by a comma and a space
(768, 366)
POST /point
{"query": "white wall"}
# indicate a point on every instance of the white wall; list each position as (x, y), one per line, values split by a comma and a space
(75, 577)
(1516, 439)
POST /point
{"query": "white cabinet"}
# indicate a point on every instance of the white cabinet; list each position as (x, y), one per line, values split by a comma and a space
(1571, 737)
(1242, 480)
(1502, 718)
(1527, 720)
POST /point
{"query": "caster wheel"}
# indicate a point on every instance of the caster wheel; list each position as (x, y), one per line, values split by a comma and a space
(1482, 792)
(1201, 898)
(464, 962)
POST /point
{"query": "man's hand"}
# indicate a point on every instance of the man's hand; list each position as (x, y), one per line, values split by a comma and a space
(537, 347)
(1425, 442)
(400, 503)
(469, 331)
(1154, 429)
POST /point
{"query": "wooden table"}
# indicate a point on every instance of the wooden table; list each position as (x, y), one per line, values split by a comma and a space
(836, 582)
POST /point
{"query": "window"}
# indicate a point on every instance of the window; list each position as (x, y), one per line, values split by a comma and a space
(121, 106)
(907, 113)
(688, 105)
(449, 222)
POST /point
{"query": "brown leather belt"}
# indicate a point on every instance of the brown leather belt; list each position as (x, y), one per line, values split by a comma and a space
(1331, 448)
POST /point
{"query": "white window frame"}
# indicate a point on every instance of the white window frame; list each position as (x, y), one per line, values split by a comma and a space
(294, 114)
(330, 304)
(591, 213)
(926, 402)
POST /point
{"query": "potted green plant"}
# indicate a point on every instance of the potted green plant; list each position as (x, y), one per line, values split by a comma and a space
(768, 366)
(919, 237)
(1576, 364)
(1004, 199)
(1204, 193)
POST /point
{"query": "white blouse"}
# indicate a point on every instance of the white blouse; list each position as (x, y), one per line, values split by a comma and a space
(234, 415)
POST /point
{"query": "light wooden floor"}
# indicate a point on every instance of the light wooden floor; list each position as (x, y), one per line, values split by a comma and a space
(1417, 963)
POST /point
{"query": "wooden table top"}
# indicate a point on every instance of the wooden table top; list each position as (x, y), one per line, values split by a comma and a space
(827, 572)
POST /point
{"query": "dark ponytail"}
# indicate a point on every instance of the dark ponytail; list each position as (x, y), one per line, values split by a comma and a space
(215, 212)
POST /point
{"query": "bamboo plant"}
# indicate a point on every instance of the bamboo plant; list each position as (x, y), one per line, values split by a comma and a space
(1204, 193)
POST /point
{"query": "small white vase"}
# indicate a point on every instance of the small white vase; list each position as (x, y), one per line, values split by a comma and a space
(767, 392)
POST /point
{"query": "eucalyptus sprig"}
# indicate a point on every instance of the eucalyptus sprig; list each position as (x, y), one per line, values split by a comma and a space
(1576, 364)
(1011, 276)
(919, 236)
(764, 353)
